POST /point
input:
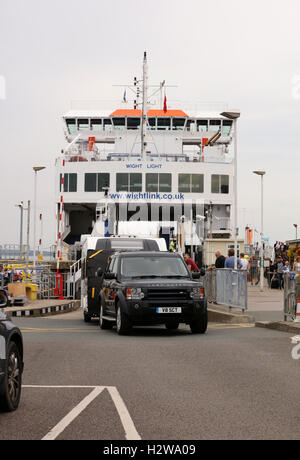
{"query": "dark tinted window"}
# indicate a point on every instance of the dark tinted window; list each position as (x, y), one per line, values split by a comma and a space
(178, 123)
(133, 123)
(70, 182)
(90, 180)
(122, 182)
(135, 182)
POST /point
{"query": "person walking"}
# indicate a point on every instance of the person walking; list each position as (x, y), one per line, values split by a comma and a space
(220, 260)
(192, 266)
(244, 262)
(229, 262)
(296, 266)
(279, 269)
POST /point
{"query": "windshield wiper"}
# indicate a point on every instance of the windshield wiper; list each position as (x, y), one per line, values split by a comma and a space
(173, 276)
(145, 276)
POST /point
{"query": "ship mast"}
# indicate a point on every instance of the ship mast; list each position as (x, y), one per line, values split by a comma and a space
(144, 108)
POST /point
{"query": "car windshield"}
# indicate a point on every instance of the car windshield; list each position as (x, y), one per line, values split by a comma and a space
(153, 267)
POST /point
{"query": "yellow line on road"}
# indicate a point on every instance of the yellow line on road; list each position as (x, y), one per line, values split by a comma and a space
(210, 327)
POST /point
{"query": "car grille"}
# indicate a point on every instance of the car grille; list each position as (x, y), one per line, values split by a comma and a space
(167, 294)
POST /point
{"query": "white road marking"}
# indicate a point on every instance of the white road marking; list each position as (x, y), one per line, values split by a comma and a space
(126, 420)
(130, 430)
(68, 419)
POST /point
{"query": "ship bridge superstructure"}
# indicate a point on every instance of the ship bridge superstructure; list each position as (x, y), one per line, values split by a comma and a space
(157, 163)
(170, 135)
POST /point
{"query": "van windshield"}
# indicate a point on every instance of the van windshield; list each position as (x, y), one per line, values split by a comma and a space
(153, 267)
(127, 244)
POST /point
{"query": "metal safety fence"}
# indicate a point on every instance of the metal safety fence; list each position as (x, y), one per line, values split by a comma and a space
(291, 294)
(227, 287)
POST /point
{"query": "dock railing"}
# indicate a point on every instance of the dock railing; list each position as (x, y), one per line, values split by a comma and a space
(227, 287)
(291, 295)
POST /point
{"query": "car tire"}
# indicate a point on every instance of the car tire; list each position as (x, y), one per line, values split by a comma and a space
(87, 318)
(122, 321)
(103, 323)
(172, 325)
(10, 390)
(199, 325)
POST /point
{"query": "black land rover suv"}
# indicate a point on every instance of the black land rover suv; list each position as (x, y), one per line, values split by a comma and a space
(142, 288)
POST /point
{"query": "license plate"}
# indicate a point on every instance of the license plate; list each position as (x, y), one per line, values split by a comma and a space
(169, 310)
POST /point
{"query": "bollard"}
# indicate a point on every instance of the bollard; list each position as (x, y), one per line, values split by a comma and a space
(58, 291)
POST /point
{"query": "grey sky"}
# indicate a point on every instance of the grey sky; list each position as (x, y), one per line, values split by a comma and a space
(54, 52)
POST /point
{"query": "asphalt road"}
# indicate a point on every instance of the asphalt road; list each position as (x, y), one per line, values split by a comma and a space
(83, 383)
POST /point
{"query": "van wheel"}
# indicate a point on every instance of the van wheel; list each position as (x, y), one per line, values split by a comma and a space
(199, 325)
(10, 390)
(123, 322)
(87, 318)
(103, 323)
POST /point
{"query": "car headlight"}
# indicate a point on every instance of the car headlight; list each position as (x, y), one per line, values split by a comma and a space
(134, 294)
(197, 293)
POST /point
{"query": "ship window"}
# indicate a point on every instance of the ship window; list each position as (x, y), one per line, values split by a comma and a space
(184, 183)
(119, 123)
(133, 123)
(226, 127)
(214, 125)
(219, 184)
(190, 125)
(191, 183)
(107, 124)
(178, 123)
(122, 182)
(152, 123)
(71, 125)
(135, 182)
(96, 124)
(90, 180)
(224, 184)
(202, 126)
(163, 123)
(70, 182)
(165, 182)
(197, 183)
(83, 124)
(94, 182)
(129, 182)
(158, 182)
(103, 181)
(151, 182)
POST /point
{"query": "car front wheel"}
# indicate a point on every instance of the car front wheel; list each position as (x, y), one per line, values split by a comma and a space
(199, 325)
(123, 322)
(10, 390)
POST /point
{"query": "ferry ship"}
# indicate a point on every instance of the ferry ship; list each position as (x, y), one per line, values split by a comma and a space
(145, 171)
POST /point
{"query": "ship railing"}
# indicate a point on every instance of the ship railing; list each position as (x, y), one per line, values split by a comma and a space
(135, 157)
(13, 251)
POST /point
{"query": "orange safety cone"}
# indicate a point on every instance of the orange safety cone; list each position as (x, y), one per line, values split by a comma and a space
(297, 319)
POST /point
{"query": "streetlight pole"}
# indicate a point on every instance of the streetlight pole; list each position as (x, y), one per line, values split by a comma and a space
(36, 170)
(21, 206)
(234, 115)
(261, 174)
(296, 227)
